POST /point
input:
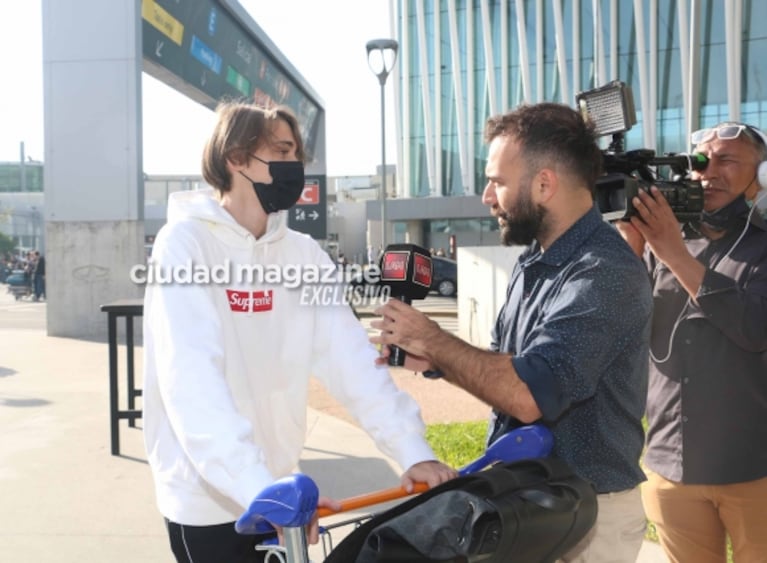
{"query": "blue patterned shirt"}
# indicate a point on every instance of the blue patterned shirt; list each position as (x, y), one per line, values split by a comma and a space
(577, 323)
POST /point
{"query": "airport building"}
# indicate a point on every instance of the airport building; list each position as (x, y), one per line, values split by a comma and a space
(689, 63)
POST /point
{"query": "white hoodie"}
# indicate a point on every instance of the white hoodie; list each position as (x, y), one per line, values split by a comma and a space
(225, 389)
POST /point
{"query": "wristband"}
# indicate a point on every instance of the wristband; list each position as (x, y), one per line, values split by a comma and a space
(432, 374)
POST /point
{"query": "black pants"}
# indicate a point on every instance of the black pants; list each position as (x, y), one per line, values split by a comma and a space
(212, 544)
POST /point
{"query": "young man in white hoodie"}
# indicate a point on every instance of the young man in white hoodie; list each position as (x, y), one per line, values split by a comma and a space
(228, 356)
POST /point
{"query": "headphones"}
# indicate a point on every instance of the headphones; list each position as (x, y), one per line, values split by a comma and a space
(761, 168)
(761, 174)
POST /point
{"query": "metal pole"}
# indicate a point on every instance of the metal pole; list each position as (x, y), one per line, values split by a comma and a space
(383, 166)
(296, 549)
(22, 168)
(382, 46)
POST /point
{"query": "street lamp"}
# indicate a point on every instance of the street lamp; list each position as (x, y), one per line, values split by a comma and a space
(382, 53)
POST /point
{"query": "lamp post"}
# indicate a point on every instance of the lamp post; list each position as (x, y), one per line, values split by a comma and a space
(382, 53)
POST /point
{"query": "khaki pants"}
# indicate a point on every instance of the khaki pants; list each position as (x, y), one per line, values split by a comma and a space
(694, 520)
(617, 534)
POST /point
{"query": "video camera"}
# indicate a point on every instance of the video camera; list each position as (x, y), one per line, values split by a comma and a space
(611, 109)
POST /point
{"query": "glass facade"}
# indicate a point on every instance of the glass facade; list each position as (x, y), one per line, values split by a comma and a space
(466, 60)
(15, 178)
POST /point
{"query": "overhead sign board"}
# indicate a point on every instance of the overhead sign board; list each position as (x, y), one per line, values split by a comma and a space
(203, 50)
(309, 215)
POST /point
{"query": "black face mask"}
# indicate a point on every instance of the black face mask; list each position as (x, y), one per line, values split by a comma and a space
(731, 216)
(286, 187)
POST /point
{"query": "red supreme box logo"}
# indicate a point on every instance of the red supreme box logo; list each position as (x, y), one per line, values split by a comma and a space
(247, 301)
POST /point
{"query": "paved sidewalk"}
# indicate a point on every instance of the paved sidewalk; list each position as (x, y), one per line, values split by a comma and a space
(65, 499)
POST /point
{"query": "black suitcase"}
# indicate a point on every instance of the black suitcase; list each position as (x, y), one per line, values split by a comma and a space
(531, 511)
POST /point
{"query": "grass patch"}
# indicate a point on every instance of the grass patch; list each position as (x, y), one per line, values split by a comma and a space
(457, 443)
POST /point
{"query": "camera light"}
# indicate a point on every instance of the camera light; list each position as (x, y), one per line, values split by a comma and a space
(610, 108)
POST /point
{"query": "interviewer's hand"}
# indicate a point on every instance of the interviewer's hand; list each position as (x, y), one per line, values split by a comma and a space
(432, 473)
(402, 325)
(412, 363)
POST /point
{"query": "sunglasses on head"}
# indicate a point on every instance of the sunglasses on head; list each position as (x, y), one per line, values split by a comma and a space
(726, 133)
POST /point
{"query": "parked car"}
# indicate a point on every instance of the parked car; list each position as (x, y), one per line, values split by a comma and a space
(444, 279)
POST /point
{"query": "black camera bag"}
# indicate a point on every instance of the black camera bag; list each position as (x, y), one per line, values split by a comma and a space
(531, 511)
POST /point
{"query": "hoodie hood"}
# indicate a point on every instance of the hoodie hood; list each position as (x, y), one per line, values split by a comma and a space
(202, 205)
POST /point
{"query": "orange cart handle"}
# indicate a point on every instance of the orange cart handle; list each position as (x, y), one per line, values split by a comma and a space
(376, 497)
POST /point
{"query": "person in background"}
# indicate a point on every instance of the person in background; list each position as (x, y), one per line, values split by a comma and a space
(706, 453)
(29, 267)
(227, 365)
(570, 344)
(38, 276)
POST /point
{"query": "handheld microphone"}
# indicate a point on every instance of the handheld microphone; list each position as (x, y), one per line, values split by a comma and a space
(407, 270)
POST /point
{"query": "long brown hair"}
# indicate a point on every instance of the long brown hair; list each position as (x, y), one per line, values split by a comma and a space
(242, 128)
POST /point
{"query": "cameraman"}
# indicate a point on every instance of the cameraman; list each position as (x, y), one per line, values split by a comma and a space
(707, 402)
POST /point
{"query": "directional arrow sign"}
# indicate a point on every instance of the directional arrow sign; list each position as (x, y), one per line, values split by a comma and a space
(310, 213)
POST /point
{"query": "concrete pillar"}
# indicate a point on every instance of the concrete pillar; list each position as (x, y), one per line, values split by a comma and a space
(414, 232)
(94, 196)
